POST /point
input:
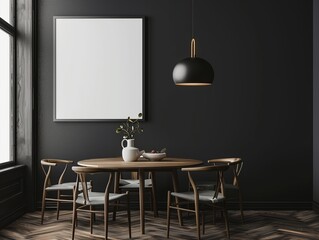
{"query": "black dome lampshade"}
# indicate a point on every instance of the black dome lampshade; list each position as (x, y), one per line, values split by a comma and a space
(193, 71)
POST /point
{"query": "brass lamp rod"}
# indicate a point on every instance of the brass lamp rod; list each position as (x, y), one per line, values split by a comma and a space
(193, 43)
(193, 48)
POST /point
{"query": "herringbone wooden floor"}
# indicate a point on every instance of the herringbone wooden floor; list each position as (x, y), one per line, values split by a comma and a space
(258, 225)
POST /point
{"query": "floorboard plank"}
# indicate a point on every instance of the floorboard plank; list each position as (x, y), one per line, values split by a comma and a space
(262, 225)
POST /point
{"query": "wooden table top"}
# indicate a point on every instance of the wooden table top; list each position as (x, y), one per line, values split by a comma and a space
(119, 163)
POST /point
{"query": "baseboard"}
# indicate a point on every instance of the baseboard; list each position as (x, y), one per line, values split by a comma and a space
(14, 215)
(315, 206)
(277, 205)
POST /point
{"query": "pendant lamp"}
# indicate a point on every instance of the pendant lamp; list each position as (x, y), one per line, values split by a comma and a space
(193, 71)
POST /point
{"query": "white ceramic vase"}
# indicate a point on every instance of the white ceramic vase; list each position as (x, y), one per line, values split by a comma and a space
(130, 153)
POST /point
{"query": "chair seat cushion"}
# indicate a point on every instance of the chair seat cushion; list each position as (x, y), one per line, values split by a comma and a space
(97, 198)
(62, 186)
(65, 186)
(211, 185)
(204, 195)
(129, 183)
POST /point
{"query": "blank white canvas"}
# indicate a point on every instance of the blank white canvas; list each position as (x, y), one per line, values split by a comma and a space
(98, 68)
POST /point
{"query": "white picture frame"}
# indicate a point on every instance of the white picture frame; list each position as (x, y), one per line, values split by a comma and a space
(98, 68)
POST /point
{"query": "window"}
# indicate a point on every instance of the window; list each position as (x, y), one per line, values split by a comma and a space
(7, 76)
(6, 11)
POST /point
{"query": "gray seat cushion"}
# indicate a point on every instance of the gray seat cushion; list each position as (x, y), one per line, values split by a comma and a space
(204, 195)
(211, 185)
(97, 198)
(65, 186)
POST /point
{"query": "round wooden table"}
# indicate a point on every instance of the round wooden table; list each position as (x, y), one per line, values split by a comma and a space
(141, 166)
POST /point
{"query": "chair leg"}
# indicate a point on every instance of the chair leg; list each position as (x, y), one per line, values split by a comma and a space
(168, 212)
(189, 203)
(226, 219)
(241, 205)
(116, 190)
(91, 219)
(74, 220)
(154, 201)
(128, 215)
(106, 218)
(43, 205)
(175, 186)
(114, 212)
(58, 206)
(197, 219)
(203, 222)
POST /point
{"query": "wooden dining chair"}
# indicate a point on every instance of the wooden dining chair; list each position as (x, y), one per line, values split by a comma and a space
(200, 198)
(63, 190)
(91, 202)
(132, 184)
(232, 190)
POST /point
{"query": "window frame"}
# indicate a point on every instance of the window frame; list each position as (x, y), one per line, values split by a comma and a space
(11, 30)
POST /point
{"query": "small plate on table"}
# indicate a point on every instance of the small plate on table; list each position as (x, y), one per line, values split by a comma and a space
(154, 156)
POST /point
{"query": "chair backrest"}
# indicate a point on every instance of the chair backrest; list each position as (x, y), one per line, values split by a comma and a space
(48, 164)
(218, 169)
(81, 179)
(235, 163)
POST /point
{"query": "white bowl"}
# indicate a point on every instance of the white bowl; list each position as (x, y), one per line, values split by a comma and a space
(154, 156)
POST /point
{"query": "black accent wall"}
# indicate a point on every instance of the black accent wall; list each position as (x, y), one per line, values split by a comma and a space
(316, 102)
(258, 108)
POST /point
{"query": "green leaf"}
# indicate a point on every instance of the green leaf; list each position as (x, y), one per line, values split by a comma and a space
(140, 115)
(163, 150)
(118, 130)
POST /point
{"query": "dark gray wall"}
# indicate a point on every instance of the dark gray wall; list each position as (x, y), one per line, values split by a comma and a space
(259, 107)
(316, 101)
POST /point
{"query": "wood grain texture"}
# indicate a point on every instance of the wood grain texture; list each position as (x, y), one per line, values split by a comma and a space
(142, 163)
(258, 225)
(25, 75)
